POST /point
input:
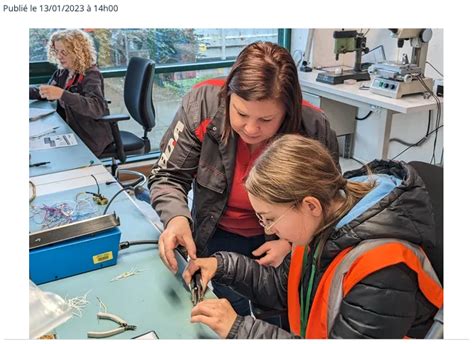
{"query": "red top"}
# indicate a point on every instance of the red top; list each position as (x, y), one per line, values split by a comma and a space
(239, 217)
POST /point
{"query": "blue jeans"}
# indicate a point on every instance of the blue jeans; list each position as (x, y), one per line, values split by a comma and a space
(226, 241)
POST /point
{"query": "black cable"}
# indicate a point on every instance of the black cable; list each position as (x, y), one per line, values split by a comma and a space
(424, 138)
(357, 160)
(435, 69)
(96, 183)
(126, 244)
(429, 122)
(418, 143)
(114, 196)
(438, 120)
(438, 116)
(365, 117)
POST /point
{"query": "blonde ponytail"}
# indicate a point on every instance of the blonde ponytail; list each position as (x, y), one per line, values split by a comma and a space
(294, 167)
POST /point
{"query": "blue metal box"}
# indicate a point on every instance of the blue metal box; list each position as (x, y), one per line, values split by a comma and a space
(75, 256)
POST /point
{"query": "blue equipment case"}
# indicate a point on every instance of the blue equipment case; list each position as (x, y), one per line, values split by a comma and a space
(75, 256)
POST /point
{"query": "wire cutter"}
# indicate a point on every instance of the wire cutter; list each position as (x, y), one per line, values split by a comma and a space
(196, 289)
(123, 326)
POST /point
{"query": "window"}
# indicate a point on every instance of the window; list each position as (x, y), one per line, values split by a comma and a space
(183, 57)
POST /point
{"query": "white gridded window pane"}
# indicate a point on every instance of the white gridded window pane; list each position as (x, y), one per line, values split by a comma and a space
(115, 47)
(222, 44)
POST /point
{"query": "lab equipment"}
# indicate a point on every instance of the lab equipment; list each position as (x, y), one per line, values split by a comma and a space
(396, 79)
(74, 248)
(346, 42)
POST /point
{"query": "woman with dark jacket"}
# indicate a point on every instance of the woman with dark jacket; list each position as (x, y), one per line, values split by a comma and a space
(357, 269)
(219, 130)
(78, 86)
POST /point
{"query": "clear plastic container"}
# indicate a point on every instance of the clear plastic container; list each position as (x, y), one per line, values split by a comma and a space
(47, 311)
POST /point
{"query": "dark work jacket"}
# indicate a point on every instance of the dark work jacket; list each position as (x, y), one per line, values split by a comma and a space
(386, 304)
(81, 105)
(193, 153)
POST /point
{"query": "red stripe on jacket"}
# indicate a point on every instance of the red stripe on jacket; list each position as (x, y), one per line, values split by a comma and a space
(211, 82)
(201, 129)
(308, 104)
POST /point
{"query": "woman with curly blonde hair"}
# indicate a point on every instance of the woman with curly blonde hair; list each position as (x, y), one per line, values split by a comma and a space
(78, 86)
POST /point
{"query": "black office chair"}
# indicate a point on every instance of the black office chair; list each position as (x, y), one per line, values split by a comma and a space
(138, 100)
(432, 176)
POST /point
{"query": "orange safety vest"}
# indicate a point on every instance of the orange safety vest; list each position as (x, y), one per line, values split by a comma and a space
(347, 269)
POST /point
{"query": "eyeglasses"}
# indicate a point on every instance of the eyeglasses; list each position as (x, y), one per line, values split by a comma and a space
(267, 225)
(62, 53)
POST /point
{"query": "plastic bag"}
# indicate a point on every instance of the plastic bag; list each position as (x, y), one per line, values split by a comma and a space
(47, 311)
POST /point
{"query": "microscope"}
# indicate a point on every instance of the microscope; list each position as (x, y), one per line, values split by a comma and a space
(346, 42)
(397, 79)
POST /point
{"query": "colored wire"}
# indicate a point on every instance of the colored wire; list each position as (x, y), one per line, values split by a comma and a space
(62, 213)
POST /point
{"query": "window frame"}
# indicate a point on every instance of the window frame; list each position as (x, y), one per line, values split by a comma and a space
(41, 72)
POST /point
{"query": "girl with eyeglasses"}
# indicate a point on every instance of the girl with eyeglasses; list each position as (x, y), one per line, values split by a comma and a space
(357, 269)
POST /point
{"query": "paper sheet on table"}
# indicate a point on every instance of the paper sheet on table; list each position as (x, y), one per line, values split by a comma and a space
(36, 113)
(53, 141)
(38, 129)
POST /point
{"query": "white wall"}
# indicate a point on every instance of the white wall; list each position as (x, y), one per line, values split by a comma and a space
(409, 128)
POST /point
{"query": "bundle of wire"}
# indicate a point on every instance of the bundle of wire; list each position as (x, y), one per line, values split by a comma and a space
(61, 213)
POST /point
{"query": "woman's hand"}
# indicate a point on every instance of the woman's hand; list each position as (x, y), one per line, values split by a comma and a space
(208, 268)
(275, 251)
(218, 314)
(50, 92)
(178, 232)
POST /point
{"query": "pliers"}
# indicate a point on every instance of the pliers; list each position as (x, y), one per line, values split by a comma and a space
(123, 326)
(197, 294)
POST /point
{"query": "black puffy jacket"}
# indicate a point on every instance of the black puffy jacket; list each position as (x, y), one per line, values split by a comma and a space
(387, 303)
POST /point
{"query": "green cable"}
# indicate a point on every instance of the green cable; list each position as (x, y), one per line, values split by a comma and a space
(305, 306)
